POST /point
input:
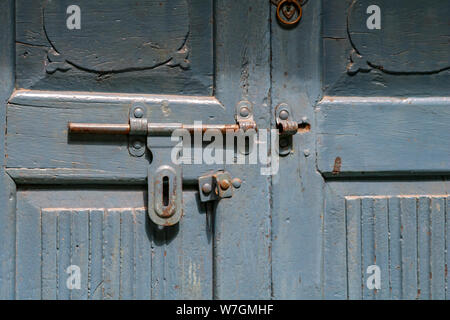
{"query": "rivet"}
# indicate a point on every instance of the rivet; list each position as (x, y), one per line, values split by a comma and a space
(245, 112)
(206, 188)
(284, 115)
(225, 184)
(138, 112)
(306, 152)
(236, 183)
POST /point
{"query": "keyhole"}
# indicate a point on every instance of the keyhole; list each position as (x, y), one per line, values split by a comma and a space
(165, 193)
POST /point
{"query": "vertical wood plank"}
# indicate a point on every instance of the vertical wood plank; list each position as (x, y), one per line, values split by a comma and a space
(80, 251)
(96, 254)
(408, 214)
(395, 252)
(127, 258)
(143, 255)
(193, 270)
(111, 254)
(437, 274)
(242, 252)
(28, 244)
(182, 256)
(382, 245)
(368, 242)
(49, 254)
(424, 250)
(354, 268)
(64, 252)
(297, 189)
(447, 258)
(7, 186)
(334, 265)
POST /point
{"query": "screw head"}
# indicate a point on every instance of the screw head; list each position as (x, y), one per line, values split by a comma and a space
(306, 152)
(206, 188)
(236, 183)
(225, 184)
(284, 115)
(138, 112)
(137, 144)
(244, 112)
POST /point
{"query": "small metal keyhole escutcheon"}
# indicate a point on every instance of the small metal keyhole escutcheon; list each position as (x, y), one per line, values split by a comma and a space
(287, 10)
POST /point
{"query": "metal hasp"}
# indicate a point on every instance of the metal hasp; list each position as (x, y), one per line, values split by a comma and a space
(216, 186)
(165, 177)
(287, 128)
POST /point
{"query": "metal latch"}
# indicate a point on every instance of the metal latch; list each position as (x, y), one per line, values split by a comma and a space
(288, 128)
(165, 177)
(216, 186)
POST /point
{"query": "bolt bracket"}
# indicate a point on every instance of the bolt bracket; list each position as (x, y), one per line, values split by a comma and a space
(220, 185)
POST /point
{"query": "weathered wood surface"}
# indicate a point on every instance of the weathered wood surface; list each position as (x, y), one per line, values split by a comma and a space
(400, 226)
(38, 136)
(119, 48)
(413, 37)
(368, 184)
(7, 186)
(120, 254)
(379, 136)
(242, 257)
(297, 188)
(405, 54)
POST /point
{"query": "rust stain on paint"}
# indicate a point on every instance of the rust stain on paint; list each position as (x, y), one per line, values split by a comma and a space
(337, 166)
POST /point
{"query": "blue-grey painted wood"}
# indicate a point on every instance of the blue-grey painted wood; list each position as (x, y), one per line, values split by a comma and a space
(46, 144)
(64, 252)
(395, 253)
(127, 254)
(117, 249)
(28, 251)
(398, 226)
(401, 44)
(297, 189)
(438, 217)
(334, 264)
(383, 135)
(7, 186)
(355, 271)
(94, 58)
(111, 254)
(182, 256)
(402, 81)
(381, 238)
(368, 242)
(49, 249)
(80, 250)
(95, 271)
(242, 258)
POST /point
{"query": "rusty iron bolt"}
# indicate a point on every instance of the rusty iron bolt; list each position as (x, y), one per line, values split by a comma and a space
(206, 188)
(138, 112)
(245, 112)
(236, 183)
(284, 115)
(225, 184)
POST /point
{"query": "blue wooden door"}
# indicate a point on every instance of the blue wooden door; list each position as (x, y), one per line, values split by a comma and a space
(357, 210)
